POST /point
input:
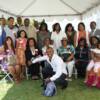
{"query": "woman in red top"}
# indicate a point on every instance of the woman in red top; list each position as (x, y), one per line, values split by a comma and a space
(81, 33)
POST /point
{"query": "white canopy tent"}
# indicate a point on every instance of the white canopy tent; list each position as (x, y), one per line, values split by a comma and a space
(63, 11)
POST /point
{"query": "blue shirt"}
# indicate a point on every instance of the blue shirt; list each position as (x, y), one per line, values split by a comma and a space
(2, 36)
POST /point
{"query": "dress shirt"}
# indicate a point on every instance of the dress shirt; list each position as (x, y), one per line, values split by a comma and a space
(11, 32)
(56, 63)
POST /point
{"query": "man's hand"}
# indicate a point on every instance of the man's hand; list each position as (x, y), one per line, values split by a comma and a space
(47, 80)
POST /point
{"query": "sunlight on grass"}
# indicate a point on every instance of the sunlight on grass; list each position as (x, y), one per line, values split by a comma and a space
(4, 88)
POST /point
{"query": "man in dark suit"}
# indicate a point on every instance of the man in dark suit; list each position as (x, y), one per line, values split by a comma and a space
(94, 30)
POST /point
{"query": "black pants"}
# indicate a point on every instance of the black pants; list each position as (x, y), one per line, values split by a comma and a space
(48, 72)
(81, 68)
(34, 69)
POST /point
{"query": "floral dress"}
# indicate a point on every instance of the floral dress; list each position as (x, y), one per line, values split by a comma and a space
(4, 58)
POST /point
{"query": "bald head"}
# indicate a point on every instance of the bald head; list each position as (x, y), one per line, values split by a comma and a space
(50, 52)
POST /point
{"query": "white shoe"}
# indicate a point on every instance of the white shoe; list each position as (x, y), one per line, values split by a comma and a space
(70, 79)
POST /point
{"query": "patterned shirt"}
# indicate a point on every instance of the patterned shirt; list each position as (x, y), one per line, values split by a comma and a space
(66, 52)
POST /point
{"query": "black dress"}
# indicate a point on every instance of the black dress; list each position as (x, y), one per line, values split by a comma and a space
(34, 69)
(82, 60)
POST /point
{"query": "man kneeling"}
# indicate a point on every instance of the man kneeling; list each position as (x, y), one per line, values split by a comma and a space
(55, 69)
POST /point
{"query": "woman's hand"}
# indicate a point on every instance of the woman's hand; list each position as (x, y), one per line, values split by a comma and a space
(29, 63)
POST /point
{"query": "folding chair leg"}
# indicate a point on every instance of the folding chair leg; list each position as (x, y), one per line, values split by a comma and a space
(10, 78)
(75, 73)
(8, 75)
(27, 76)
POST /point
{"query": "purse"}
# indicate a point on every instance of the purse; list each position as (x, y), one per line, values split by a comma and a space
(11, 59)
(50, 89)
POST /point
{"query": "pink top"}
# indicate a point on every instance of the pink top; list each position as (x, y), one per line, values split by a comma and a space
(21, 43)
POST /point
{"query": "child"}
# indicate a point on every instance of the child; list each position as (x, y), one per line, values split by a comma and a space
(21, 42)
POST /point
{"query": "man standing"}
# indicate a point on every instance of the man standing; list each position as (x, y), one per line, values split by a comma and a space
(94, 30)
(2, 32)
(11, 30)
(30, 30)
(55, 70)
(19, 22)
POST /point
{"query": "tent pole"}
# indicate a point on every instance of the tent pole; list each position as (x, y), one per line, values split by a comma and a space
(66, 4)
(90, 8)
(27, 7)
(9, 13)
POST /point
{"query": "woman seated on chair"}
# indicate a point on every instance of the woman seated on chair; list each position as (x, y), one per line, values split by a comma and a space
(81, 57)
(9, 61)
(67, 51)
(94, 64)
(93, 42)
(47, 43)
(32, 52)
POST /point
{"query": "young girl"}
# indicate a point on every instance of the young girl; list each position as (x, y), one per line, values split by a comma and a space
(8, 50)
(20, 48)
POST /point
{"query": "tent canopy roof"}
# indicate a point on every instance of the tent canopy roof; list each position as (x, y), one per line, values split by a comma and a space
(40, 8)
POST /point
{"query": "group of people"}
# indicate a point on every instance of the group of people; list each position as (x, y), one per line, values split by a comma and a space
(57, 52)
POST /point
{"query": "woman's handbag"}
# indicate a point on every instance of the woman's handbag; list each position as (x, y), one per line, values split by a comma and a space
(50, 89)
(11, 60)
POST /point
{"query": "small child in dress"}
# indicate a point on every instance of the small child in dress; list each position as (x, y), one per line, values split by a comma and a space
(21, 42)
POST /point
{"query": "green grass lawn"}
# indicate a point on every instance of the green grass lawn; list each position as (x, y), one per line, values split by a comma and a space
(31, 90)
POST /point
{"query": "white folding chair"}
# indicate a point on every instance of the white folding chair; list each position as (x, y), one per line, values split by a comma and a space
(26, 72)
(4, 71)
(6, 75)
(75, 72)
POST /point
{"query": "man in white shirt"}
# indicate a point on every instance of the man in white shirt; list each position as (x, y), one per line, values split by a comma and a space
(56, 69)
